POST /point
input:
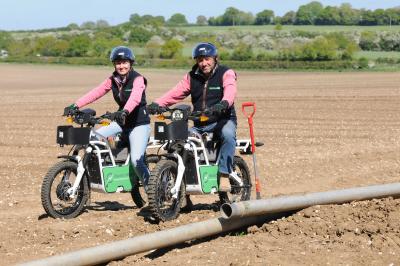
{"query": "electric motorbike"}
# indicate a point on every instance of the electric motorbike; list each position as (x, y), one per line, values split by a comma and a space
(94, 163)
(188, 164)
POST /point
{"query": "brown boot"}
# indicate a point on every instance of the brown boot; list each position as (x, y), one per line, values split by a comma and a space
(224, 184)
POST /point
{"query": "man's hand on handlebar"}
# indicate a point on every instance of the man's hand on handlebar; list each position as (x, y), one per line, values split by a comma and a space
(219, 108)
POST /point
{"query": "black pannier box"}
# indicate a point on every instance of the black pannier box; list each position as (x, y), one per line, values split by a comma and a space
(176, 130)
(69, 135)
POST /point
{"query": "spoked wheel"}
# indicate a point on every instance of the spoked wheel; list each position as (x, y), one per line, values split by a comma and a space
(238, 193)
(163, 205)
(56, 201)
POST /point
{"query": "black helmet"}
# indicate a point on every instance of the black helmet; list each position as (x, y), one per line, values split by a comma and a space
(122, 53)
(204, 49)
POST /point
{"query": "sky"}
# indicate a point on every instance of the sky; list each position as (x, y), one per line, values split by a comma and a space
(42, 14)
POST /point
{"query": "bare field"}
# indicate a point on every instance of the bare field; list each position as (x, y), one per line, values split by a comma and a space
(321, 131)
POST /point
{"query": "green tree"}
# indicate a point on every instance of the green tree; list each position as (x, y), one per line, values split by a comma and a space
(101, 46)
(242, 52)
(171, 49)
(79, 46)
(234, 16)
(264, 17)
(306, 14)
(73, 26)
(177, 19)
(22, 47)
(135, 19)
(139, 35)
(369, 41)
(147, 19)
(367, 18)
(231, 16)
(5, 39)
(88, 25)
(348, 15)
(60, 48)
(289, 18)
(201, 21)
(381, 17)
(328, 16)
(101, 23)
(44, 46)
(153, 48)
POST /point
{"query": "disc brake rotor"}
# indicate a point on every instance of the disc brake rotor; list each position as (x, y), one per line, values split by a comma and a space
(62, 191)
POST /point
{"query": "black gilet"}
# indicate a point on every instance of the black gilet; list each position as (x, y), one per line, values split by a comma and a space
(207, 92)
(139, 115)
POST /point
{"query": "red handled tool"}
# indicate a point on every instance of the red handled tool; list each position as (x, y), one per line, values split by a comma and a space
(253, 145)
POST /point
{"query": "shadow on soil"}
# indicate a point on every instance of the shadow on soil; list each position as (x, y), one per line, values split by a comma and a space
(238, 232)
(146, 213)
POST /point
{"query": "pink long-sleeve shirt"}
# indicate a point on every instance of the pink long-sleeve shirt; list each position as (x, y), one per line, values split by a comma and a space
(105, 86)
(182, 90)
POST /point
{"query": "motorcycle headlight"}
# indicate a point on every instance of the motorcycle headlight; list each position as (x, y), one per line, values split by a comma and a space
(177, 115)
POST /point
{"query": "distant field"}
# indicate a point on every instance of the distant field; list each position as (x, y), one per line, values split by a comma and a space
(375, 55)
(221, 29)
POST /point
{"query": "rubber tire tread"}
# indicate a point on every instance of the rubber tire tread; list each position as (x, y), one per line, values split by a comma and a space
(241, 164)
(152, 191)
(46, 188)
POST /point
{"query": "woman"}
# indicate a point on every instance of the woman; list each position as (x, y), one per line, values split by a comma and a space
(128, 88)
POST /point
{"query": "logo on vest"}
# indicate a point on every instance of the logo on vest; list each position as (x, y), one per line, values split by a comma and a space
(214, 88)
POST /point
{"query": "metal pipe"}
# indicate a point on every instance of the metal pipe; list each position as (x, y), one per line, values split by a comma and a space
(256, 211)
(123, 248)
(296, 202)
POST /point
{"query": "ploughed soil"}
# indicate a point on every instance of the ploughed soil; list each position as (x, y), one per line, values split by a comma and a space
(322, 131)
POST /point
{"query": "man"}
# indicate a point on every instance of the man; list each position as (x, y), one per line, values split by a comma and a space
(212, 88)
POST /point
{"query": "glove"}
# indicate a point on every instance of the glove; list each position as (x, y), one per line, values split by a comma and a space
(153, 108)
(120, 117)
(70, 110)
(219, 108)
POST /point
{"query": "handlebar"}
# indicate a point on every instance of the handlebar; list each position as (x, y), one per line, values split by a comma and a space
(186, 114)
(88, 116)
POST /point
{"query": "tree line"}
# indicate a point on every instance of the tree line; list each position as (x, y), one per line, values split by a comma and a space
(313, 13)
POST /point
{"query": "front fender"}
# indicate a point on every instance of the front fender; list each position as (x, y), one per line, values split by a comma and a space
(68, 158)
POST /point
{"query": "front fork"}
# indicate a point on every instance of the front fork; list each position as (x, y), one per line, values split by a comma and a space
(72, 191)
(179, 178)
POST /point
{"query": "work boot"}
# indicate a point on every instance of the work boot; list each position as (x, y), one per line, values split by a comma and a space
(187, 204)
(224, 184)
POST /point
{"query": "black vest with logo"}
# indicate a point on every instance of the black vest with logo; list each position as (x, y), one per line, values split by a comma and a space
(139, 115)
(206, 93)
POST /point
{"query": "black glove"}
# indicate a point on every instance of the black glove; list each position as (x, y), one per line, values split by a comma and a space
(219, 108)
(70, 110)
(154, 108)
(120, 117)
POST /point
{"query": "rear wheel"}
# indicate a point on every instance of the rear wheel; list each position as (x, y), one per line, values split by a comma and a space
(56, 201)
(238, 193)
(163, 205)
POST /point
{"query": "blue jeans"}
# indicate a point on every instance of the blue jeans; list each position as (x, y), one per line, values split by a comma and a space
(226, 132)
(138, 138)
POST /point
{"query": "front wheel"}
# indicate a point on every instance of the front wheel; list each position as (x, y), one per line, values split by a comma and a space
(238, 193)
(55, 200)
(163, 205)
